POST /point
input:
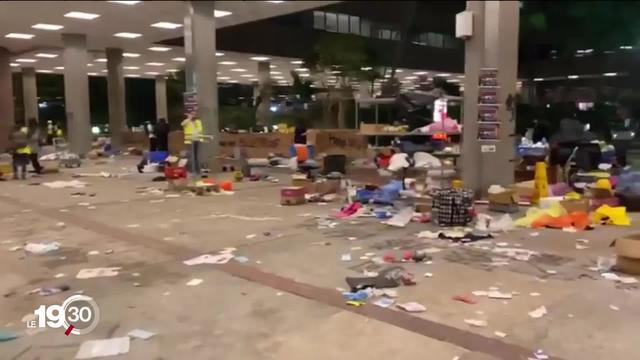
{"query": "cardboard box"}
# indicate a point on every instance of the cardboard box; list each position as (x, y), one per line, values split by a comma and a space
(293, 195)
(326, 187)
(581, 205)
(508, 197)
(628, 246)
(524, 190)
(371, 128)
(628, 265)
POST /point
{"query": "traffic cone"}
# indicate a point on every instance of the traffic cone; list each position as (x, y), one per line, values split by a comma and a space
(540, 183)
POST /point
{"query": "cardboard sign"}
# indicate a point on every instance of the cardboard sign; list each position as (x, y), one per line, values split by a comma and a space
(346, 142)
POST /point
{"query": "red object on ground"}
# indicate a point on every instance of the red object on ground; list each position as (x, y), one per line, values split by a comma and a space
(407, 279)
(68, 331)
(226, 185)
(408, 255)
(175, 172)
(389, 258)
(465, 299)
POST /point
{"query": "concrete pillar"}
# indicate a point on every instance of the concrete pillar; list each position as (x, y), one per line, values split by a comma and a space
(7, 115)
(76, 92)
(116, 90)
(190, 84)
(29, 94)
(161, 97)
(494, 44)
(264, 90)
(202, 31)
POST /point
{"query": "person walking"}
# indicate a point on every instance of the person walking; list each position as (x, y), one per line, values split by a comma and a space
(20, 151)
(34, 140)
(192, 128)
(161, 131)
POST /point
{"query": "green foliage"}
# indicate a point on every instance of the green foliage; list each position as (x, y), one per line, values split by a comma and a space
(345, 53)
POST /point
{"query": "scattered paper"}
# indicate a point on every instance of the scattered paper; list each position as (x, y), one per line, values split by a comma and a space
(384, 302)
(428, 275)
(100, 348)
(209, 259)
(352, 238)
(429, 234)
(98, 272)
(41, 248)
(390, 293)
(476, 322)
(534, 294)
(552, 272)
(627, 279)
(534, 234)
(133, 226)
(500, 334)
(614, 308)
(345, 257)
(58, 276)
(355, 248)
(250, 236)
(431, 250)
(412, 307)
(65, 184)
(538, 313)
(401, 219)
(499, 295)
(194, 282)
(241, 259)
(480, 293)
(581, 247)
(141, 334)
(93, 252)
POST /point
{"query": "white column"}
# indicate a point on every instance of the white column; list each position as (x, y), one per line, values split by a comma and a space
(76, 92)
(29, 94)
(202, 44)
(116, 90)
(161, 97)
(264, 90)
(7, 115)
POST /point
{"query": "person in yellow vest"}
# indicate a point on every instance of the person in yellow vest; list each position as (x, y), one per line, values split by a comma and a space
(20, 150)
(192, 129)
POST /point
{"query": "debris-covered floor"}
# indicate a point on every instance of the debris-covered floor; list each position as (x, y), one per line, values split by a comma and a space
(524, 294)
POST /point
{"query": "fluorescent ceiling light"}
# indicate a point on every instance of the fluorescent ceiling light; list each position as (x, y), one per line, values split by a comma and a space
(47, 55)
(453, 80)
(45, 71)
(304, 75)
(227, 63)
(89, 65)
(410, 77)
(131, 67)
(154, 64)
(626, 47)
(127, 35)
(131, 55)
(26, 60)
(275, 73)
(125, 2)
(399, 70)
(219, 54)
(247, 75)
(276, 2)
(59, 67)
(159, 48)
(297, 62)
(538, 79)
(19, 36)
(573, 76)
(132, 75)
(239, 70)
(100, 60)
(173, 70)
(92, 74)
(104, 70)
(221, 13)
(460, 76)
(224, 78)
(421, 73)
(259, 58)
(277, 77)
(50, 27)
(81, 15)
(233, 81)
(301, 69)
(366, 68)
(166, 25)
(152, 73)
(179, 59)
(443, 75)
(272, 66)
(610, 74)
(254, 79)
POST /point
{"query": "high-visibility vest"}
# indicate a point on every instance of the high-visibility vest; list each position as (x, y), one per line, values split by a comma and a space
(59, 133)
(188, 129)
(25, 149)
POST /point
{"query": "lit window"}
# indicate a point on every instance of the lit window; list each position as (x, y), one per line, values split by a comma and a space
(365, 28)
(384, 34)
(343, 23)
(318, 20)
(355, 25)
(332, 22)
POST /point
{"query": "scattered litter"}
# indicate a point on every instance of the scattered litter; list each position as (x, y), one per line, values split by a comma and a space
(41, 248)
(502, 244)
(6, 335)
(321, 243)
(101, 348)
(431, 250)
(140, 334)
(480, 293)
(60, 224)
(390, 293)
(83, 204)
(135, 274)
(75, 184)
(552, 272)
(133, 226)
(499, 295)
(400, 219)
(156, 201)
(194, 282)
(429, 234)
(15, 248)
(352, 238)
(53, 290)
(570, 229)
(605, 263)
(171, 196)
(534, 234)
(98, 272)
(428, 275)
(538, 313)
(279, 294)
(209, 259)
(581, 247)
(465, 299)
(93, 252)
(58, 276)
(108, 251)
(476, 322)
(627, 280)
(500, 334)
(359, 295)
(166, 293)
(614, 308)
(540, 355)
(412, 307)
(241, 259)
(168, 238)
(384, 302)
(137, 284)
(582, 241)
(345, 257)
(237, 217)
(354, 248)
(250, 236)
(534, 294)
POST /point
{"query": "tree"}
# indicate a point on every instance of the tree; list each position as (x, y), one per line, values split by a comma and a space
(338, 61)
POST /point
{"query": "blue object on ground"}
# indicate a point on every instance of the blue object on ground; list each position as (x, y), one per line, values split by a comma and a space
(364, 196)
(6, 335)
(629, 182)
(356, 296)
(158, 156)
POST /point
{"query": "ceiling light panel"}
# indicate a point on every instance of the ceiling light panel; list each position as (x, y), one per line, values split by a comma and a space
(166, 25)
(47, 55)
(154, 64)
(221, 13)
(131, 55)
(49, 27)
(159, 48)
(127, 35)
(19, 36)
(81, 15)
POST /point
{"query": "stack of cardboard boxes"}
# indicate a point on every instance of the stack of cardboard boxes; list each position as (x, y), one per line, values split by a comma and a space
(628, 251)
